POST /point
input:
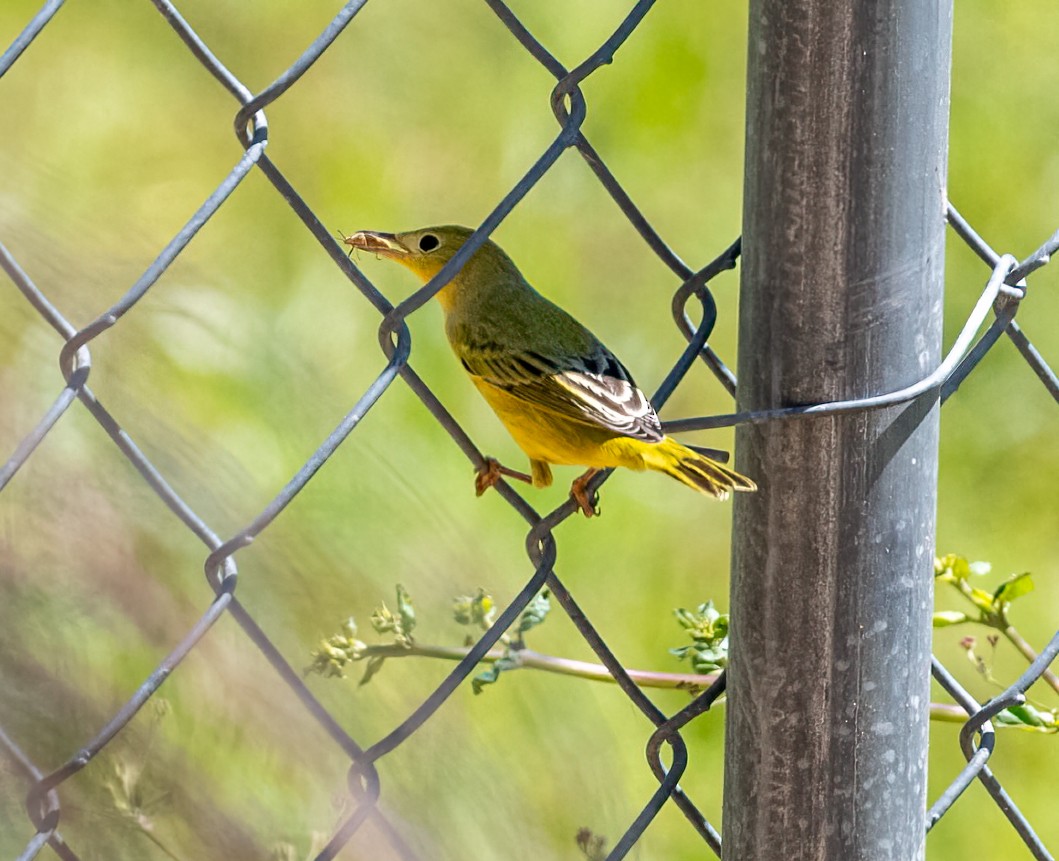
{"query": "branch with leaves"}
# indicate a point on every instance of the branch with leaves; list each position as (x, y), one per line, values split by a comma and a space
(991, 609)
(707, 652)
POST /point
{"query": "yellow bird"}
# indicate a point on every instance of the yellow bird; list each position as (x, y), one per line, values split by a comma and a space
(561, 394)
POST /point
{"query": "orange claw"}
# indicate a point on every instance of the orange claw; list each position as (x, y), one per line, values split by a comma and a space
(491, 471)
(579, 491)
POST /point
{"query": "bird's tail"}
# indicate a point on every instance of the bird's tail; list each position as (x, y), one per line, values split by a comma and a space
(693, 469)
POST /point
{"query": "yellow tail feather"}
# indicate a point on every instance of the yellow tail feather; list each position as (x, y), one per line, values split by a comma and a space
(693, 469)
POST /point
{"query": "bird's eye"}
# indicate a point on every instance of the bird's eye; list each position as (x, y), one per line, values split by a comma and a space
(428, 242)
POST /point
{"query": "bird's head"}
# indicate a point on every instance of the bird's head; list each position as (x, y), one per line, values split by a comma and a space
(423, 251)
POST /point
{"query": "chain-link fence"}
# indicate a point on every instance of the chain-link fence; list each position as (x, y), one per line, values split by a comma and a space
(1003, 294)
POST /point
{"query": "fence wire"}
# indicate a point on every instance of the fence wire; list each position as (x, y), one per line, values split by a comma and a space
(1005, 290)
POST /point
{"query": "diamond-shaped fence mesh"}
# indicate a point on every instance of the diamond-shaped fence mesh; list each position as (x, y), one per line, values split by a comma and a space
(1000, 300)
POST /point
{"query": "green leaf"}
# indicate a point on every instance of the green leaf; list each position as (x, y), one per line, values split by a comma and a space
(1027, 717)
(535, 613)
(401, 623)
(486, 677)
(1015, 587)
(373, 666)
(944, 618)
(708, 630)
(489, 676)
(981, 599)
(710, 659)
(406, 611)
(951, 567)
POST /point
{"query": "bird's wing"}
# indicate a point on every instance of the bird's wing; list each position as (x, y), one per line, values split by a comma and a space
(594, 389)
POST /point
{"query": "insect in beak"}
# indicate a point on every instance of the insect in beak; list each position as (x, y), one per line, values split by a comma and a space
(344, 239)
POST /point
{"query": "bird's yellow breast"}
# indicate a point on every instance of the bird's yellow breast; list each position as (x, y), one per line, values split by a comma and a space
(547, 436)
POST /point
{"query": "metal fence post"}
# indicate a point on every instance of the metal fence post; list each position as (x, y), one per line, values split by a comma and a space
(847, 111)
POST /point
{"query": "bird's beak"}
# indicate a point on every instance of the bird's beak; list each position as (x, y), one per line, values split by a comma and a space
(376, 243)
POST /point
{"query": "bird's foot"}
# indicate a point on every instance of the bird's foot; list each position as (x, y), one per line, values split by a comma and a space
(491, 471)
(589, 504)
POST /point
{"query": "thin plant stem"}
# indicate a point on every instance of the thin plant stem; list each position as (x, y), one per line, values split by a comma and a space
(691, 682)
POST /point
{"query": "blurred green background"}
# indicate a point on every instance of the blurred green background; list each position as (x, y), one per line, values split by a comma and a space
(253, 345)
